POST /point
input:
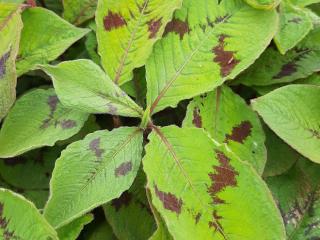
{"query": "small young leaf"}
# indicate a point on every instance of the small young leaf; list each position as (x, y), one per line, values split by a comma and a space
(293, 113)
(82, 85)
(10, 28)
(45, 36)
(228, 119)
(273, 67)
(295, 24)
(298, 196)
(92, 172)
(37, 119)
(203, 191)
(127, 31)
(72, 230)
(201, 49)
(79, 11)
(263, 4)
(21, 220)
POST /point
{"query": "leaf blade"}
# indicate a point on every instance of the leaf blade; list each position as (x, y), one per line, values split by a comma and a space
(48, 122)
(136, 25)
(205, 47)
(292, 113)
(96, 93)
(191, 205)
(104, 162)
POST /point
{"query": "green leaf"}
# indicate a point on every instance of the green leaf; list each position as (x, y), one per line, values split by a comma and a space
(79, 11)
(295, 24)
(72, 230)
(10, 28)
(281, 156)
(127, 31)
(30, 173)
(205, 44)
(263, 4)
(228, 119)
(82, 85)
(101, 231)
(21, 220)
(92, 172)
(37, 119)
(304, 3)
(122, 213)
(273, 67)
(204, 191)
(292, 112)
(298, 196)
(45, 36)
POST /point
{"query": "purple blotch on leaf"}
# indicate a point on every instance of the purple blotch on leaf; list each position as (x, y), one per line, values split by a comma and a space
(169, 200)
(240, 132)
(113, 21)
(197, 121)
(154, 27)
(224, 58)
(95, 147)
(177, 26)
(123, 169)
(223, 176)
(67, 124)
(3, 61)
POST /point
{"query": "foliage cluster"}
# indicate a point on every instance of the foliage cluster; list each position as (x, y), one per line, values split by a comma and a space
(160, 119)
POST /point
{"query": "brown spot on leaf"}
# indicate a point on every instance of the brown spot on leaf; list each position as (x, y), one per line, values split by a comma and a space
(177, 26)
(224, 176)
(315, 133)
(113, 21)
(123, 200)
(296, 20)
(225, 59)
(123, 169)
(3, 61)
(95, 147)
(169, 201)
(53, 102)
(215, 223)
(112, 109)
(197, 218)
(290, 68)
(3, 221)
(15, 161)
(154, 27)
(222, 19)
(46, 123)
(197, 121)
(6, 234)
(240, 132)
(67, 124)
(287, 70)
